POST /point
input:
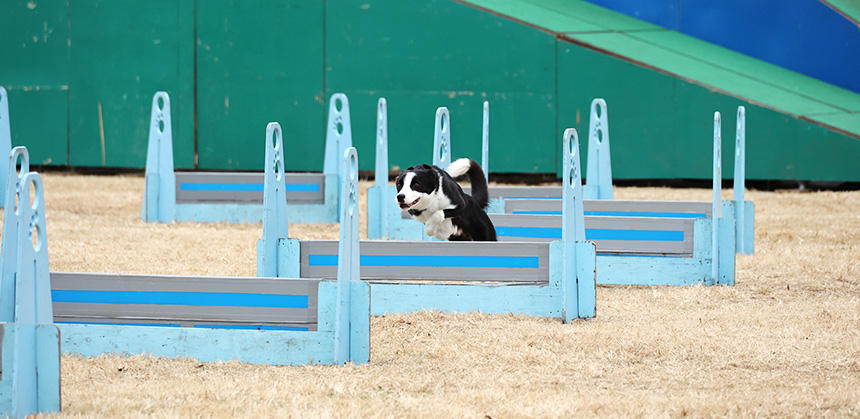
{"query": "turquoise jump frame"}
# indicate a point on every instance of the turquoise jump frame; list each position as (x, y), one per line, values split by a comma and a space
(132, 314)
(543, 279)
(29, 339)
(237, 196)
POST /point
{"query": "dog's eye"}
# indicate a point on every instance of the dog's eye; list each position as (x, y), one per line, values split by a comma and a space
(415, 185)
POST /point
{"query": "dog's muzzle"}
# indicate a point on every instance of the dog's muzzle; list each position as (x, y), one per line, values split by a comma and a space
(405, 205)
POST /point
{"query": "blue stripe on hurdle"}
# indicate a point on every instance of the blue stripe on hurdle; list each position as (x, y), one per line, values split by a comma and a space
(623, 214)
(245, 187)
(593, 234)
(180, 298)
(531, 197)
(434, 261)
(250, 326)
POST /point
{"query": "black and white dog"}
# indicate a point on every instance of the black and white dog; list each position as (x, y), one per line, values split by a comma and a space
(433, 197)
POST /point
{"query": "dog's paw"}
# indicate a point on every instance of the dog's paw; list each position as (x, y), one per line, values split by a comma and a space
(445, 230)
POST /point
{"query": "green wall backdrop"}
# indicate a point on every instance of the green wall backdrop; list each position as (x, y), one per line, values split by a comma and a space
(81, 75)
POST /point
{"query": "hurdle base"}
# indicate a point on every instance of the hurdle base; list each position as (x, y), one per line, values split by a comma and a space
(38, 390)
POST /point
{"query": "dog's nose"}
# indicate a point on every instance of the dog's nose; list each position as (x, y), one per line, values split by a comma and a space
(400, 197)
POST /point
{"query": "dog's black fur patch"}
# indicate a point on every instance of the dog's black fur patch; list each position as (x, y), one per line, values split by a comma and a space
(467, 214)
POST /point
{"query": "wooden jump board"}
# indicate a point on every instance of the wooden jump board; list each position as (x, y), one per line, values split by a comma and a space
(611, 235)
(245, 188)
(652, 209)
(522, 192)
(609, 208)
(434, 261)
(185, 301)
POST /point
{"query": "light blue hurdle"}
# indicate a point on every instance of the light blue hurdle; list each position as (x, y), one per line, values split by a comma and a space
(29, 341)
(237, 197)
(637, 250)
(255, 320)
(744, 210)
(543, 279)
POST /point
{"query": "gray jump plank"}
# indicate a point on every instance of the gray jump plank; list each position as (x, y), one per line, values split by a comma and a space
(652, 209)
(245, 187)
(192, 301)
(521, 191)
(617, 235)
(434, 261)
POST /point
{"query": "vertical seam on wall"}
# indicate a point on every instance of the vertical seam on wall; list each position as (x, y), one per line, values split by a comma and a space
(324, 72)
(196, 157)
(68, 82)
(555, 133)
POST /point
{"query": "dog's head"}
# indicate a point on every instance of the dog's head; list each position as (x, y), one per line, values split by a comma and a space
(415, 186)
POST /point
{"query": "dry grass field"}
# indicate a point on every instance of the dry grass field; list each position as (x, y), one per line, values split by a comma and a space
(784, 341)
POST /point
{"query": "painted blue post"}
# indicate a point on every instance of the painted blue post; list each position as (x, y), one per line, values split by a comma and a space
(442, 139)
(378, 204)
(159, 197)
(579, 258)
(598, 180)
(9, 260)
(275, 226)
(485, 142)
(743, 246)
(5, 135)
(337, 139)
(352, 337)
(30, 382)
(716, 209)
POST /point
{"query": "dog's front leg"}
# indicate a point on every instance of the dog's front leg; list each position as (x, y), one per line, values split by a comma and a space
(432, 222)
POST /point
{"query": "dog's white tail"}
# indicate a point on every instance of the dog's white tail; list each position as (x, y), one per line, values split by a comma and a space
(459, 167)
(465, 166)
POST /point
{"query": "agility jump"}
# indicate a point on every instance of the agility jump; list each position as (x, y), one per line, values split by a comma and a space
(256, 320)
(544, 279)
(238, 196)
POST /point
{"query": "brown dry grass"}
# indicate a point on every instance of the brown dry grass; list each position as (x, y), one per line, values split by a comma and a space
(785, 341)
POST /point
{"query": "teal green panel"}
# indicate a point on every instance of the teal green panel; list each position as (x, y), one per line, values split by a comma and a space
(121, 54)
(39, 121)
(34, 71)
(259, 61)
(34, 44)
(661, 127)
(443, 53)
(411, 117)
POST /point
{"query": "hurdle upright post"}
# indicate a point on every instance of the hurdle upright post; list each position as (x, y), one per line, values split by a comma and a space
(352, 338)
(442, 139)
(159, 197)
(579, 256)
(485, 142)
(378, 199)
(275, 226)
(9, 248)
(740, 181)
(30, 382)
(598, 180)
(716, 206)
(5, 135)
